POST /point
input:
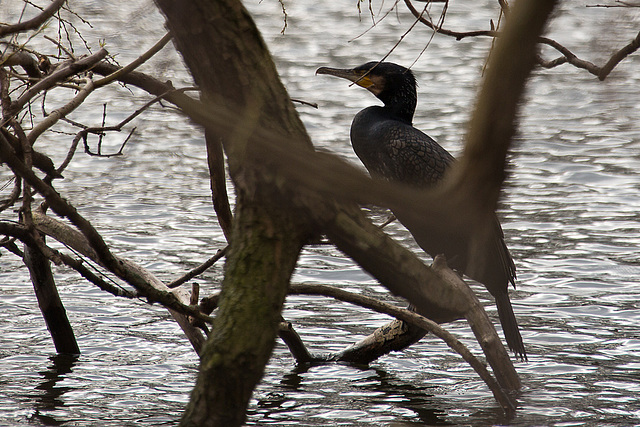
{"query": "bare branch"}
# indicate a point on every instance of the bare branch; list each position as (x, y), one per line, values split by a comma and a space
(32, 23)
(302, 355)
(618, 56)
(21, 232)
(457, 34)
(295, 344)
(24, 60)
(67, 235)
(417, 320)
(40, 160)
(13, 197)
(61, 112)
(619, 3)
(100, 131)
(199, 269)
(149, 286)
(60, 75)
(85, 272)
(218, 182)
(136, 63)
(567, 57)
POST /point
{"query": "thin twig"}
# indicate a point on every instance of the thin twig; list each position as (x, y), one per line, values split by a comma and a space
(79, 266)
(199, 269)
(100, 130)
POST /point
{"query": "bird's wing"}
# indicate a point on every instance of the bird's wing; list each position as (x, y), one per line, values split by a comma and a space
(413, 157)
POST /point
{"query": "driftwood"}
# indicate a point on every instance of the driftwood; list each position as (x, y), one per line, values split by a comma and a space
(393, 336)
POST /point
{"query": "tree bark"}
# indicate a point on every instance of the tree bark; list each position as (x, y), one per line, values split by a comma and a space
(265, 248)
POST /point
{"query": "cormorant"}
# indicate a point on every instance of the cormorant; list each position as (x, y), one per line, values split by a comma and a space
(390, 147)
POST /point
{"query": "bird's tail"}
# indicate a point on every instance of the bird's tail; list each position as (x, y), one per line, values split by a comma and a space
(510, 326)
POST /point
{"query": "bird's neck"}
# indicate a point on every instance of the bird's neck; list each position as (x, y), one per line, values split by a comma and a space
(401, 103)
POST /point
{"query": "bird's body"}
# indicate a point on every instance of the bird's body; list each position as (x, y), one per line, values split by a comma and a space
(406, 154)
(386, 142)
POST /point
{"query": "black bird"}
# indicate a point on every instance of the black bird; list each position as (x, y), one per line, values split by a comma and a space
(390, 147)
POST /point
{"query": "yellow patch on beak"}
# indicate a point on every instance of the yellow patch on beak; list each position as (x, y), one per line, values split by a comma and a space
(365, 82)
(374, 84)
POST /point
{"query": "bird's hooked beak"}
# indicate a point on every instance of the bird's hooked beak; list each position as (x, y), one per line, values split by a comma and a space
(359, 77)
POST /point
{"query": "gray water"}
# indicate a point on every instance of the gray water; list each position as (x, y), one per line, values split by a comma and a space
(570, 215)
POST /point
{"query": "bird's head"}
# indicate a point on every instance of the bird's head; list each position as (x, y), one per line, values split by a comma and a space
(376, 77)
(393, 84)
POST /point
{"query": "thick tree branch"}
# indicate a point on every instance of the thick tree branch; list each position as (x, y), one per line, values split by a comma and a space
(40, 160)
(24, 60)
(49, 301)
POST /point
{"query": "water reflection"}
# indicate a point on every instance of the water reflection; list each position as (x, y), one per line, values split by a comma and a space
(48, 400)
(313, 390)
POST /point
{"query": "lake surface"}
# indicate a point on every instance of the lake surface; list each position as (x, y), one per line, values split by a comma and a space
(569, 212)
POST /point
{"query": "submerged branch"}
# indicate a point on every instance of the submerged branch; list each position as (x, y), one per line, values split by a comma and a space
(417, 320)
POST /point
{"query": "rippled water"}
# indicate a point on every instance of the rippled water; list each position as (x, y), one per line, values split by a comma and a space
(570, 215)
